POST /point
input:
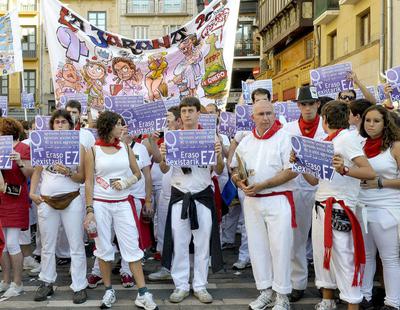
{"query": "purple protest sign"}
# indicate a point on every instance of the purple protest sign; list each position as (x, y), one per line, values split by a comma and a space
(208, 121)
(249, 87)
(42, 122)
(393, 75)
(187, 148)
(243, 113)
(288, 110)
(360, 95)
(27, 100)
(172, 102)
(82, 98)
(49, 147)
(331, 79)
(6, 148)
(227, 124)
(4, 105)
(149, 117)
(313, 157)
(394, 95)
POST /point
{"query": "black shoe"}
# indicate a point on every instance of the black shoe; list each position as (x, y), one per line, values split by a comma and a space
(296, 295)
(366, 305)
(63, 261)
(387, 307)
(44, 290)
(79, 297)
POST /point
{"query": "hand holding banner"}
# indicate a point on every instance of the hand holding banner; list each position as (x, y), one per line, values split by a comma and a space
(187, 148)
(6, 148)
(313, 157)
(49, 147)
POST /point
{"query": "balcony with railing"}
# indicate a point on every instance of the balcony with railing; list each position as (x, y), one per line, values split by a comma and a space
(140, 7)
(30, 54)
(246, 48)
(172, 6)
(27, 6)
(325, 11)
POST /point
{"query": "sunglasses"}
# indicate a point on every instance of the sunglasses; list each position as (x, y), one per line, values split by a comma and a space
(347, 98)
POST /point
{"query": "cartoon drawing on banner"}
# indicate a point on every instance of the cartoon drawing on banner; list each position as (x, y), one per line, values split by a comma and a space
(156, 87)
(128, 77)
(94, 73)
(69, 80)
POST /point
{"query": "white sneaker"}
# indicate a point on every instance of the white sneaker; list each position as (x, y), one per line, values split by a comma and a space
(178, 295)
(145, 301)
(108, 299)
(35, 271)
(162, 274)
(265, 300)
(203, 296)
(13, 291)
(326, 304)
(30, 263)
(4, 286)
(281, 302)
(240, 265)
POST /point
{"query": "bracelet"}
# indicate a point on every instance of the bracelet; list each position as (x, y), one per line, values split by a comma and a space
(380, 183)
(89, 210)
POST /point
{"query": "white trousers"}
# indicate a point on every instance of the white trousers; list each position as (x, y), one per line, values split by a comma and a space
(269, 232)
(49, 222)
(182, 234)
(340, 274)
(162, 212)
(120, 217)
(25, 237)
(62, 247)
(11, 237)
(387, 242)
(304, 202)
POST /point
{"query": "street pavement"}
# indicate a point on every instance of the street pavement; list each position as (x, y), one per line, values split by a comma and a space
(231, 290)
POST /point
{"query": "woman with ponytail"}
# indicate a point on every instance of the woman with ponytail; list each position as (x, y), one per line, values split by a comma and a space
(381, 198)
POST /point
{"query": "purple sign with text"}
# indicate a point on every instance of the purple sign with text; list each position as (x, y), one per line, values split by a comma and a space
(227, 124)
(244, 122)
(82, 98)
(248, 88)
(49, 147)
(6, 148)
(149, 117)
(172, 102)
(42, 122)
(393, 77)
(331, 79)
(395, 94)
(4, 105)
(313, 157)
(371, 89)
(288, 110)
(208, 121)
(27, 100)
(187, 148)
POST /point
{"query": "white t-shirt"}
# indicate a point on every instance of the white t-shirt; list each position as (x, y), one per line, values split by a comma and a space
(86, 138)
(138, 190)
(156, 175)
(239, 135)
(193, 182)
(53, 183)
(293, 128)
(264, 159)
(343, 187)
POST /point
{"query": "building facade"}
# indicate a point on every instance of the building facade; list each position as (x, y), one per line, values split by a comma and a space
(286, 29)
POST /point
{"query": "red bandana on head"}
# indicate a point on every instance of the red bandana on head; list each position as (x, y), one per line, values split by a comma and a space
(372, 147)
(101, 142)
(333, 135)
(270, 132)
(308, 129)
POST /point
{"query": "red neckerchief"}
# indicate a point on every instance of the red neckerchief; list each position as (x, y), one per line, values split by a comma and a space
(358, 241)
(308, 129)
(270, 132)
(78, 126)
(372, 147)
(101, 142)
(333, 135)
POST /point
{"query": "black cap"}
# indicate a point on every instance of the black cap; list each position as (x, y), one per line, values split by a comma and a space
(307, 94)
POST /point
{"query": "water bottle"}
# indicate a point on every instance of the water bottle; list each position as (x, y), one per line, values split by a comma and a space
(92, 230)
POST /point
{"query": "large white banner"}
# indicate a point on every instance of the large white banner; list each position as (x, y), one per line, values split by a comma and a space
(10, 44)
(194, 60)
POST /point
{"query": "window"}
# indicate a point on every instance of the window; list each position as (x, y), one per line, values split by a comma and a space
(172, 6)
(365, 29)
(27, 5)
(332, 41)
(99, 19)
(139, 6)
(244, 39)
(28, 42)
(170, 28)
(140, 32)
(30, 81)
(4, 85)
(3, 5)
(309, 48)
